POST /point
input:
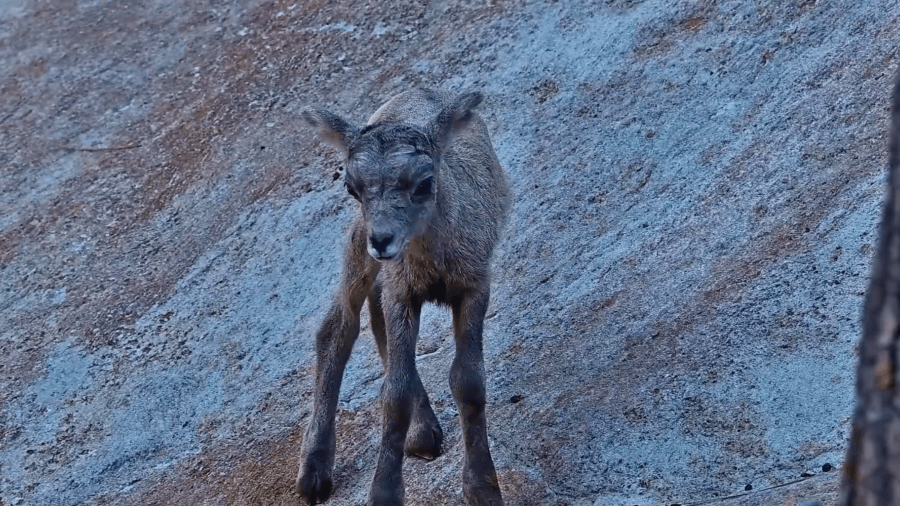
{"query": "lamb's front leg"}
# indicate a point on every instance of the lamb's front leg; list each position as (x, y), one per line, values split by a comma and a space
(425, 438)
(334, 342)
(398, 396)
(480, 485)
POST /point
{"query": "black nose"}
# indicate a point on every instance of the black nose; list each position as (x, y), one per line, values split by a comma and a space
(381, 241)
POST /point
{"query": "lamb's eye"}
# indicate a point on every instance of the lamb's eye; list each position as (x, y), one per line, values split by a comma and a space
(424, 188)
(351, 191)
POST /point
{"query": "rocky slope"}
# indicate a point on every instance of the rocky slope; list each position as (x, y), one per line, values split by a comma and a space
(675, 305)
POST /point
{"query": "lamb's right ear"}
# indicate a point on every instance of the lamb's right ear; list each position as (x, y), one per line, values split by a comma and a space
(454, 119)
(331, 128)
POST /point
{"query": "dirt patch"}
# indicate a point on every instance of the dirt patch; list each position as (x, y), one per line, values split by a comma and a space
(544, 91)
(656, 41)
(253, 472)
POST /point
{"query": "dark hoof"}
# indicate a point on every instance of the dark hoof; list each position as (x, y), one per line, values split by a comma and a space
(313, 485)
(426, 443)
(384, 502)
(483, 490)
(484, 497)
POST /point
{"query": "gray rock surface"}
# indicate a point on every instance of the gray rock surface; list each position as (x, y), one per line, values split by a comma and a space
(675, 305)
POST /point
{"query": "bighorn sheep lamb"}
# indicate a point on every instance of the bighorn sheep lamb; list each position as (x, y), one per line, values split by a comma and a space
(434, 199)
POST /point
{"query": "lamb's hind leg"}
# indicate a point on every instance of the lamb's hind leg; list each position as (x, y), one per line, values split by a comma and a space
(425, 437)
(334, 342)
(480, 486)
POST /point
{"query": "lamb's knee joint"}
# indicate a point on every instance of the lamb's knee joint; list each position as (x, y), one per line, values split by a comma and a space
(467, 386)
(396, 400)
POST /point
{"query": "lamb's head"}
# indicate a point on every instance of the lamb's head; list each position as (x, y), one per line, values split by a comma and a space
(392, 170)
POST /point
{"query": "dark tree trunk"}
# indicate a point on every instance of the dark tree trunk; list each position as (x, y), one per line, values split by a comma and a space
(872, 469)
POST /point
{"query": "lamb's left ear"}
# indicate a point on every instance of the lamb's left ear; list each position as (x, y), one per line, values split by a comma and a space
(454, 119)
(331, 128)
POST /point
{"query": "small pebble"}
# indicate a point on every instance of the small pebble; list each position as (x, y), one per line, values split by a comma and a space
(806, 475)
(749, 487)
(515, 399)
(826, 467)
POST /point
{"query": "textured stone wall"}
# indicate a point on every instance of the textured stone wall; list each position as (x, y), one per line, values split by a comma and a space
(675, 305)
